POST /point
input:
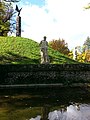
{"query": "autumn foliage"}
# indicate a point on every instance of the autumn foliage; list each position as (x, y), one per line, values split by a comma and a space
(60, 46)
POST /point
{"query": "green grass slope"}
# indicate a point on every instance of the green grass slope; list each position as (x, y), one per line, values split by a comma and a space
(18, 50)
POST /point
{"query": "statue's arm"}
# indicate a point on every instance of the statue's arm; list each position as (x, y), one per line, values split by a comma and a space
(47, 43)
(40, 43)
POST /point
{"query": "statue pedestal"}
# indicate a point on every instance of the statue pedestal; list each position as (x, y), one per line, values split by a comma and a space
(18, 26)
(44, 56)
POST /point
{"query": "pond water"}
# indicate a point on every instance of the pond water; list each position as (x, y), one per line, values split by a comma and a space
(45, 104)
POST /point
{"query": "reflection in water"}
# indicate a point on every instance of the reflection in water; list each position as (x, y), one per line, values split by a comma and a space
(37, 118)
(45, 104)
(73, 112)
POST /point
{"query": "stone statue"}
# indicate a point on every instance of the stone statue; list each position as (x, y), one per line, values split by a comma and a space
(18, 10)
(44, 51)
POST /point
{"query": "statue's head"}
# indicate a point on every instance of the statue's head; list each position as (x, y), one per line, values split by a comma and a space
(44, 37)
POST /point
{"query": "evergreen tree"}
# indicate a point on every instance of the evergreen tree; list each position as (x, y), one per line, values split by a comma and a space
(86, 45)
(86, 49)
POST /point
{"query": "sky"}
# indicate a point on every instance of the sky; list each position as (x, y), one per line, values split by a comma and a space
(56, 19)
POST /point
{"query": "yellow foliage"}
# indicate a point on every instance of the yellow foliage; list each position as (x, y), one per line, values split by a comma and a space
(81, 57)
(87, 56)
(70, 54)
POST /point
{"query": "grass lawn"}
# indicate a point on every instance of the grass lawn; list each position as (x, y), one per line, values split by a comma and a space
(18, 50)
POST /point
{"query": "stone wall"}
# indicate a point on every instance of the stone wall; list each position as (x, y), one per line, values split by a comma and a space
(44, 74)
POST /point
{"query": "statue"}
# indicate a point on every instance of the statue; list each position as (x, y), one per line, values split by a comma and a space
(44, 51)
(18, 10)
(18, 22)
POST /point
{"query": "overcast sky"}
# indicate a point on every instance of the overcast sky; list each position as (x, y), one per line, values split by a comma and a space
(56, 19)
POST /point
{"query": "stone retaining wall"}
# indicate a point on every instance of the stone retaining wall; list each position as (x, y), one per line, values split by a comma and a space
(44, 74)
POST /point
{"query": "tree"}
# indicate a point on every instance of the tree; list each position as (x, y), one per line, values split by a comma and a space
(86, 49)
(86, 45)
(87, 57)
(70, 54)
(60, 46)
(88, 6)
(11, 0)
(6, 13)
(82, 54)
(81, 57)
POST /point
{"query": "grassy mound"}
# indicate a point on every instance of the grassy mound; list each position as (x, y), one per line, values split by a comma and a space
(18, 50)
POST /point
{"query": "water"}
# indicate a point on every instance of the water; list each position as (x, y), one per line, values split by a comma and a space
(45, 104)
(72, 112)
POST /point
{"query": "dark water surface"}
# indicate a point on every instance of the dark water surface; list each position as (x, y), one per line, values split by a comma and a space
(45, 104)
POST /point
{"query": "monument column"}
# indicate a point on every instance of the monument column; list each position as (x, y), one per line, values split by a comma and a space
(18, 26)
(18, 22)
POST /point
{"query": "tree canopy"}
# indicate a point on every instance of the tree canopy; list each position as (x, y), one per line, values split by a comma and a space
(60, 46)
(84, 54)
(6, 13)
(86, 49)
(12, 0)
(88, 6)
(86, 45)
